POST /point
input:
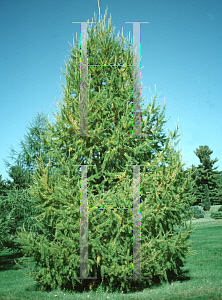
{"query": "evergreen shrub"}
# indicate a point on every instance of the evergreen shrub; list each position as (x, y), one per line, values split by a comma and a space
(216, 215)
(195, 212)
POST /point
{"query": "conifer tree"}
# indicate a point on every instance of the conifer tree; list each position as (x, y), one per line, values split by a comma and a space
(207, 204)
(16, 207)
(206, 174)
(25, 162)
(194, 175)
(219, 183)
(4, 230)
(3, 187)
(56, 188)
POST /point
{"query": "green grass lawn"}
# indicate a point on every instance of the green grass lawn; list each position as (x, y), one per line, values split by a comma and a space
(202, 278)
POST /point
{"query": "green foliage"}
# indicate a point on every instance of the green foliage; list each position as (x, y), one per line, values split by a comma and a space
(164, 191)
(20, 177)
(219, 184)
(4, 187)
(190, 173)
(194, 176)
(216, 215)
(195, 212)
(220, 208)
(57, 250)
(24, 163)
(206, 174)
(24, 287)
(6, 239)
(207, 204)
(17, 212)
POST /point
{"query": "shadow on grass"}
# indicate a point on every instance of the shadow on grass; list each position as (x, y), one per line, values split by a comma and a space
(97, 285)
(134, 287)
(7, 260)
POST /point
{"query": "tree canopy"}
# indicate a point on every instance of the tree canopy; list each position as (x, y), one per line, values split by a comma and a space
(107, 151)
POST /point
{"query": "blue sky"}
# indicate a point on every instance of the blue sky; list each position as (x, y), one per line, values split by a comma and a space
(181, 54)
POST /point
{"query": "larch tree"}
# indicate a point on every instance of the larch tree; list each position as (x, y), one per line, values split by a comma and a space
(109, 153)
(24, 162)
(15, 199)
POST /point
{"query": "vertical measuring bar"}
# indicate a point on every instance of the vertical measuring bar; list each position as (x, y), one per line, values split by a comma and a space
(136, 78)
(84, 131)
(84, 95)
(136, 224)
(84, 226)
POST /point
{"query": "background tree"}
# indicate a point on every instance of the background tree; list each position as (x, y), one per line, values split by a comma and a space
(3, 186)
(56, 188)
(206, 174)
(20, 178)
(4, 230)
(207, 203)
(193, 172)
(17, 209)
(219, 183)
(16, 212)
(32, 147)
